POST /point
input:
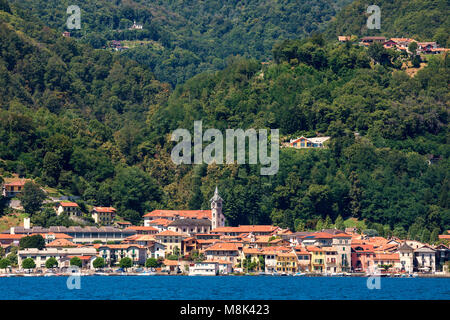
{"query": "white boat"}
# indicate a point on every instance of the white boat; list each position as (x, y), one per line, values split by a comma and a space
(299, 274)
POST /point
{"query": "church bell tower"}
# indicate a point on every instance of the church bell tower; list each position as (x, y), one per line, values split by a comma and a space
(217, 217)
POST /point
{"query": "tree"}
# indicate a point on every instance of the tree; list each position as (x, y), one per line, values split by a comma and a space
(4, 263)
(51, 263)
(434, 237)
(76, 262)
(99, 262)
(126, 263)
(28, 263)
(412, 48)
(416, 61)
(151, 263)
(328, 222)
(32, 197)
(35, 241)
(339, 223)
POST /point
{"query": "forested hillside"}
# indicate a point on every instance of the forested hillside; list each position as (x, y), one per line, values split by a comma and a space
(97, 124)
(423, 20)
(185, 38)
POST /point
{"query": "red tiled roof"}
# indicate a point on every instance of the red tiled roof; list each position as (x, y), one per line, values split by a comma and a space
(85, 258)
(61, 243)
(246, 229)
(104, 209)
(160, 221)
(170, 262)
(193, 214)
(223, 246)
(168, 233)
(6, 236)
(386, 256)
(142, 228)
(19, 183)
(68, 204)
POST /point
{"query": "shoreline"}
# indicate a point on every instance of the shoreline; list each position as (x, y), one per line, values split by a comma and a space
(132, 274)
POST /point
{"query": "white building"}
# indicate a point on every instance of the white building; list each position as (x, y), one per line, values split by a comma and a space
(62, 255)
(425, 259)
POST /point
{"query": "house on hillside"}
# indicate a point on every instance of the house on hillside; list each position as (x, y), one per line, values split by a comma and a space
(103, 215)
(71, 209)
(367, 41)
(303, 142)
(13, 188)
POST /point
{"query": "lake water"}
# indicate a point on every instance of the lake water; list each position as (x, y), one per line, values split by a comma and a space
(222, 288)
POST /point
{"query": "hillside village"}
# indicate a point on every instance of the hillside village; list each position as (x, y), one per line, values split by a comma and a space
(198, 242)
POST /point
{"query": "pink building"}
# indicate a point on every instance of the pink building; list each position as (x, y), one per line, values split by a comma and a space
(362, 257)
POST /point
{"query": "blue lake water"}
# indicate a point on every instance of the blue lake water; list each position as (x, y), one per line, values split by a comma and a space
(222, 288)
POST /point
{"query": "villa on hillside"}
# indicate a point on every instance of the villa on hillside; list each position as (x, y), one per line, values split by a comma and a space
(13, 188)
(71, 209)
(103, 215)
(303, 142)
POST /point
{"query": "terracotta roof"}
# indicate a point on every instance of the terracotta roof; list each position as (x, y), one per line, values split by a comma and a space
(313, 249)
(120, 246)
(170, 262)
(444, 236)
(246, 229)
(193, 214)
(287, 254)
(16, 183)
(216, 261)
(123, 222)
(85, 258)
(6, 236)
(145, 237)
(342, 235)
(56, 235)
(141, 228)
(169, 233)
(161, 222)
(223, 246)
(104, 209)
(61, 243)
(386, 256)
(68, 204)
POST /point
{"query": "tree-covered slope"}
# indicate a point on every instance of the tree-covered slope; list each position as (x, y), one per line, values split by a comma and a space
(381, 174)
(98, 125)
(423, 20)
(185, 38)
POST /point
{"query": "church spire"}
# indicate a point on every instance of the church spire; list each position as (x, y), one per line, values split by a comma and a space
(217, 218)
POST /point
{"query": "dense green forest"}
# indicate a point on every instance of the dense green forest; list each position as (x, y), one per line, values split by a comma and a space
(423, 20)
(97, 124)
(189, 37)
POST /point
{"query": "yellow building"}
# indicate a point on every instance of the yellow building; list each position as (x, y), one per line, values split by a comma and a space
(287, 262)
(317, 259)
(171, 240)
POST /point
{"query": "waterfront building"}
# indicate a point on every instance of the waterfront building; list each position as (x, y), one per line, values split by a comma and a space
(406, 254)
(226, 251)
(78, 234)
(287, 262)
(113, 253)
(425, 259)
(61, 254)
(171, 240)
